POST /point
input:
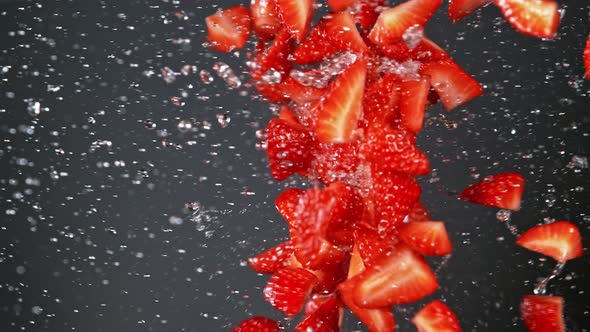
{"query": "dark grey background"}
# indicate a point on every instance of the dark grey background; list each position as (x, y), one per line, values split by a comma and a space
(90, 244)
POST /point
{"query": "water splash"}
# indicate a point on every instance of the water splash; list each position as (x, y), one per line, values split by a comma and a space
(445, 260)
(504, 216)
(541, 287)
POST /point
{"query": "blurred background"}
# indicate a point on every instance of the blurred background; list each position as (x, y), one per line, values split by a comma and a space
(132, 192)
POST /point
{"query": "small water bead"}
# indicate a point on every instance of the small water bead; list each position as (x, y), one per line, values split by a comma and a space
(224, 71)
(184, 126)
(503, 215)
(261, 134)
(579, 162)
(272, 76)
(168, 75)
(206, 125)
(205, 76)
(149, 124)
(33, 108)
(223, 119)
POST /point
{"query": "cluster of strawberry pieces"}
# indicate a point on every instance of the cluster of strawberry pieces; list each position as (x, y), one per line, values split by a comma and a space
(357, 239)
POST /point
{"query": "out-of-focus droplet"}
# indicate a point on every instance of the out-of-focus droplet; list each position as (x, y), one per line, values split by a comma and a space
(168, 75)
(205, 76)
(184, 125)
(223, 120)
(503, 215)
(149, 124)
(579, 162)
(33, 107)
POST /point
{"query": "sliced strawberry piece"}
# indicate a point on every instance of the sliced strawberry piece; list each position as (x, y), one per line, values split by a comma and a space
(325, 319)
(371, 247)
(458, 9)
(257, 324)
(342, 32)
(287, 289)
(393, 23)
(272, 92)
(296, 15)
(380, 102)
(336, 162)
(454, 86)
(314, 48)
(300, 93)
(376, 320)
(418, 213)
(265, 17)
(542, 313)
(288, 115)
(428, 238)
(587, 58)
(339, 5)
(401, 277)
(315, 302)
(502, 190)
(286, 203)
(393, 150)
(366, 12)
(273, 259)
(289, 148)
(426, 51)
(274, 58)
(436, 317)
(229, 29)
(538, 18)
(559, 240)
(393, 194)
(330, 274)
(413, 98)
(339, 112)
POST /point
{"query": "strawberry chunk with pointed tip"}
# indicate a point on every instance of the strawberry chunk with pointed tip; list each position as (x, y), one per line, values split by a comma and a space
(342, 32)
(560, 240)
(314, 48)
(286, 203)
(325, 319)
(538, 18)
(289, 148)
(274, 58)
(257, 324)
(426, 51)
(371, 247)
(330, 274)
(265, 17)
(459, 9)
(228, 29)
(296, 15)
(428, 238)
(299, 93)
(381, 102)
(393, 23)
(376, 320)
(418, 213)
(413, 99)
(339, 5)
(502, 191)
(273, 259)
(366, 12)
(436, 317)
(542, 313)
(454, 86)
(398, 278)
(339, 112)
(587, 58)
(288, 115)
(288, 288)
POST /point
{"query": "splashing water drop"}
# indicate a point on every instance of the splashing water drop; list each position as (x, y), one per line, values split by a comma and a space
(227, 74)
(413, 35)
(541, 287)
(168, 75)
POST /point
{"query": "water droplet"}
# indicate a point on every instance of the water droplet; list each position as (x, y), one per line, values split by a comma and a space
(579, 162)
(413, 35)
(205, 76)
(503, 215)
(37, 310)
(223, 120)
(541, 287)
(149, 124)
(168, 75)
(33, 108)
(184, 125)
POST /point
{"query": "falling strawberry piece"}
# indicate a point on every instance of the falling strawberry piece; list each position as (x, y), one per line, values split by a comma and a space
(381, 102)
(339, 112)
(366, 12)
(393, 22)
(342, 32)
(428, 238)
(273, 259)
(325, 319)
(265, 18)
(458, 9)
(502, 190)
(287, 289)
(286, 203)
(376, 320)
(229, 29)
(339, 5)
(273, 59)
(289, 148)
(336, 162)
(296, 15)
(454, 86)
(587, 58)
(401, 277)
(560, 240)
(413, 98)
(371, 247)
(257, 324)
(288, 115)
(426, 51)
(418, 213)
(314, 48)
(542, 313)
(436, 317)
(538, 18)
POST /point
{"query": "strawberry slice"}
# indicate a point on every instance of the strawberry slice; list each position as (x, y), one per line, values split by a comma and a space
(538, 18)
(402, 277)
(286, 203)
(289, 148)
(376, 320)
(336, 162)
(287, 289)
(330, 275)
(229, 29)
(265, 17)
(257, 324)
(436, 317)
(587, 58)
(296, 15)
(273, 259)
(559, 240)
(393, 150)
(339, 5)
(274, 58)
(272, 92)
(542, 313)
(454, 86)
(366, 12)
(325, 319)
(371, 247)
(393, 23)
(380, 102)
(314, 48)
(342, 32)
(315, 302)
(458, 9)
(299, 93)
(339, 112)
(428, 238)
(288, 115)
(418, 213)
(413, 98)
(502, 190)
(426, 51)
